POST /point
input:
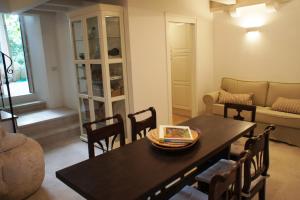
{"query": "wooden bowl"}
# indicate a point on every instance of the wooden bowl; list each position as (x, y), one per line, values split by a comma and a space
(153, 136)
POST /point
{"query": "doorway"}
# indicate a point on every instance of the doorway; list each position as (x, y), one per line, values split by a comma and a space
(181, 40)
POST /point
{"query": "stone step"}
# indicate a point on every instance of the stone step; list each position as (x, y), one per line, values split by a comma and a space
(51, 137)
(44, 123)
(29, 107)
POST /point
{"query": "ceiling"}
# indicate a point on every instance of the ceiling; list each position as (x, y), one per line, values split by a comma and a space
(31, 6)
(67, 5)
(227, 5)
(18, 6)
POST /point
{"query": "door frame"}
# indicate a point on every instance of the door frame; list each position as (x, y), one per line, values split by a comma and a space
(169, 18)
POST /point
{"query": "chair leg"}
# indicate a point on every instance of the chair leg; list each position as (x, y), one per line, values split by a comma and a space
(245, 198)
(262, 192)
(203, 187)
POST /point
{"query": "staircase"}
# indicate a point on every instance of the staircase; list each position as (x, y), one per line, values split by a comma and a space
(29, 107)
(42, 124)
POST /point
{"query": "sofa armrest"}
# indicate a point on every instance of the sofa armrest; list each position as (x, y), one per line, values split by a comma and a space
(209, 99)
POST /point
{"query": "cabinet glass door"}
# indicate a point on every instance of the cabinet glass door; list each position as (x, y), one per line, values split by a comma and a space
(116, 79)
(97, 81)
(81, 78)
(77, 32)
(99, 110)
(93, 37)
(113, 37)
(118, 107)
(84, 110)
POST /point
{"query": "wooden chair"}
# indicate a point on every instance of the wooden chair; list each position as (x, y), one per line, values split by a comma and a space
(238, 146)
(240, 108)
(104, 133)
(256, 167)
(237, 149)
(220, 184)
(142, 127)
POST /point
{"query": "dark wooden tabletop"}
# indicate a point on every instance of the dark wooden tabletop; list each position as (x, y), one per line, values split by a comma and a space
(132, 171)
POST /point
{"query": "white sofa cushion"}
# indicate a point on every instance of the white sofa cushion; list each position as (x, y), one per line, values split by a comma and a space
(227, 97)
(287, 90)
(258, 88)
(265, 115)
(287, 105)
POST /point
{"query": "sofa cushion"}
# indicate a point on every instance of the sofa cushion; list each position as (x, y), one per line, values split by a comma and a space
(265, 115)
(258, 88)
(287, 90)
(227, 97)
(287, 105)
(269, 116)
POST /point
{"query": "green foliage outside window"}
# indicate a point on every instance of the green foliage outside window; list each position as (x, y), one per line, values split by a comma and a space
(15, 43)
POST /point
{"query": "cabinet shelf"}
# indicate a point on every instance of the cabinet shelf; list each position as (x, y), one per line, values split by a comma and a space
(96, 38)
(118, 98)
(115, 78)
(114, 59)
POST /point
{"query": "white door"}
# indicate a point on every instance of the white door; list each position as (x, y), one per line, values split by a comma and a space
(182, 63)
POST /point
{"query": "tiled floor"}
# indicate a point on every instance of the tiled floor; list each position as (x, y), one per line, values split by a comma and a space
(282, 185)
(60, 154)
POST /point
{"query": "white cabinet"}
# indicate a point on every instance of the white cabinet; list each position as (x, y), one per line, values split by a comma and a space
(99, 60)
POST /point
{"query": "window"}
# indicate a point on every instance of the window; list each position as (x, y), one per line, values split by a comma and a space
(12, 43)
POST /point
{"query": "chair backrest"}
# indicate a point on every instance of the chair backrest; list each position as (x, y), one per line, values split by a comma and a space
(96, 135)
(142, 127)
(240, 108)
(228, 182)
(258, 162)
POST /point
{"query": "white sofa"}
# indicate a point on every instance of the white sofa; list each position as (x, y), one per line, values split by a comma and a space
(265, 93)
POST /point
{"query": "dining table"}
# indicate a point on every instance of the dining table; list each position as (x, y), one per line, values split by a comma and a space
(138, 170)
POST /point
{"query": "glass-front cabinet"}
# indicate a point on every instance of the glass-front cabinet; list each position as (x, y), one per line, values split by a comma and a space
(98, 45)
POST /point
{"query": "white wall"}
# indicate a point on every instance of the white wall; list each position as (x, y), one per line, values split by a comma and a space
(51, 58)
(37, 56)
(273, 56)
(50, 52)
(53, 66)
(147, 45)
(67, 69)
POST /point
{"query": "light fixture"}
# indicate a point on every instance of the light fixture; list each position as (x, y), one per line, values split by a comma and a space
(254, 15)
(254, 29)
(272, 7)
(252, 33)
(234, 13)
(225, 2)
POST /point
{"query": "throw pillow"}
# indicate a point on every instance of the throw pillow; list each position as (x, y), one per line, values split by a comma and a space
(226, 97)
(287, 105)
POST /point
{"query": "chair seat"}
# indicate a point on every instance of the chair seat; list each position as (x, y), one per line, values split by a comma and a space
(255, 183)
(220, 167)
(189, 193)
(237, 148)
